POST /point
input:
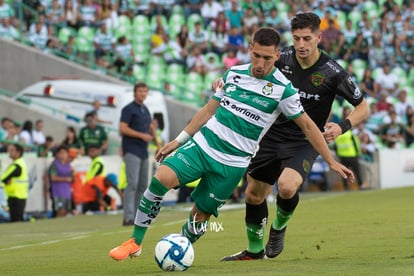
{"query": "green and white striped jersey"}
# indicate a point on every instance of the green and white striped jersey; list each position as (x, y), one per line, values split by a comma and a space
(248, 107)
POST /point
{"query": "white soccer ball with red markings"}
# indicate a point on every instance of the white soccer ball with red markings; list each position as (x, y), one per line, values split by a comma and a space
(174, 252)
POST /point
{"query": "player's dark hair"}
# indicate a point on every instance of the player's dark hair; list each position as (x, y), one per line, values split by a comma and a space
(140, 85)
(267, 37)
(305, 20)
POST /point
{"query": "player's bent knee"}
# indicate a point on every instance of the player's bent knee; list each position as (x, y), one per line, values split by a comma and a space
(167, 177)
(287, 190)
(254, 198)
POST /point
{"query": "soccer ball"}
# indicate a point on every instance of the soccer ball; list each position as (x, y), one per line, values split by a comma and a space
(174, 252)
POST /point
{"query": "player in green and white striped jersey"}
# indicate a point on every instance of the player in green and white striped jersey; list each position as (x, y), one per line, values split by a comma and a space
(225, 133)
(248, 106)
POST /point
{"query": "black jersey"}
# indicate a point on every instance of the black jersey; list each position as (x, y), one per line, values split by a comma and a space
(318, 86)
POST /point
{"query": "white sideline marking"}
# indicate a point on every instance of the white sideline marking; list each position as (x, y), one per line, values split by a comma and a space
(82, 237)
(88, 234)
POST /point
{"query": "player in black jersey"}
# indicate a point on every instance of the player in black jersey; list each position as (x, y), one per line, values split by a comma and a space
(285, 155)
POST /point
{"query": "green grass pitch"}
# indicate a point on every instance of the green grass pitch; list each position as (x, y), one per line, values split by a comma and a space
(346, 233)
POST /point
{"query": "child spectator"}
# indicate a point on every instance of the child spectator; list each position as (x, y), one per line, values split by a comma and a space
(230, 59)
(60, 179)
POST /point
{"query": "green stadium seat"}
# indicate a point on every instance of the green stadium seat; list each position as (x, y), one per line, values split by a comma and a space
(65, 33)
(124, 20)
(175, 77)
(371, 8)
(209, 78)
(156, 60)
(343, 63)
(399, 3)
(175, 73)
(85, 50)
(87, 33)
(358, 64)
(217, 60)
(355, 16)
(139, 72)
(341, 18)
(153, 22)
(282, 6)
(192, 19)
(400, 72)
(141, 51)
(155, 80)
(141, 26)
(156, 74)
(194, 86)
(124, 30)
(177, 9)
(287, 37)
(377, 72)
(174, 24)
(336, 109)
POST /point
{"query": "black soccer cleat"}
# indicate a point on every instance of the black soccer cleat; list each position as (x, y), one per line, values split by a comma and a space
(275, 243)
(244, 256)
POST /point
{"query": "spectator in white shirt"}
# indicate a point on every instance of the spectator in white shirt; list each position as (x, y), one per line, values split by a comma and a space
(38, 136)
(196, 62)
(402, 104)
(104, 42)
(7, 30)
(210, 10)
(250, 19)
(39, 38)
(199, 38)
(387, 82)
(5, 10)
(41, 21)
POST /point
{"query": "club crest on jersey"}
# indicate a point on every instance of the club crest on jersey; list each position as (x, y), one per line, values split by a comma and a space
(230, 88)
(317, 79)
(267, 89)
(306, 166)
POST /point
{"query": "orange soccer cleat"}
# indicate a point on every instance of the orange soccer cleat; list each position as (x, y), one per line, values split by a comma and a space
(127, 249)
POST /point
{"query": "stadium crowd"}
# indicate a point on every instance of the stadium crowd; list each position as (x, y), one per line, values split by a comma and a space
(180, 46)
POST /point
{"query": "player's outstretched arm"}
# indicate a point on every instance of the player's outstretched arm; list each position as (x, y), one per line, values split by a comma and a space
(317, 140)
(359, 114)
(199, 119)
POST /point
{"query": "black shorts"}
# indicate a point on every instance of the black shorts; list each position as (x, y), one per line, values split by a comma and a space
(272, 158)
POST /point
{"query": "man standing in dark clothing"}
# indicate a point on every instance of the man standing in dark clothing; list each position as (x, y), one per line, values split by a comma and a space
(137, 131)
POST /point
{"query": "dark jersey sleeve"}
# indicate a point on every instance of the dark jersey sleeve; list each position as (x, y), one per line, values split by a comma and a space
(347, 88)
